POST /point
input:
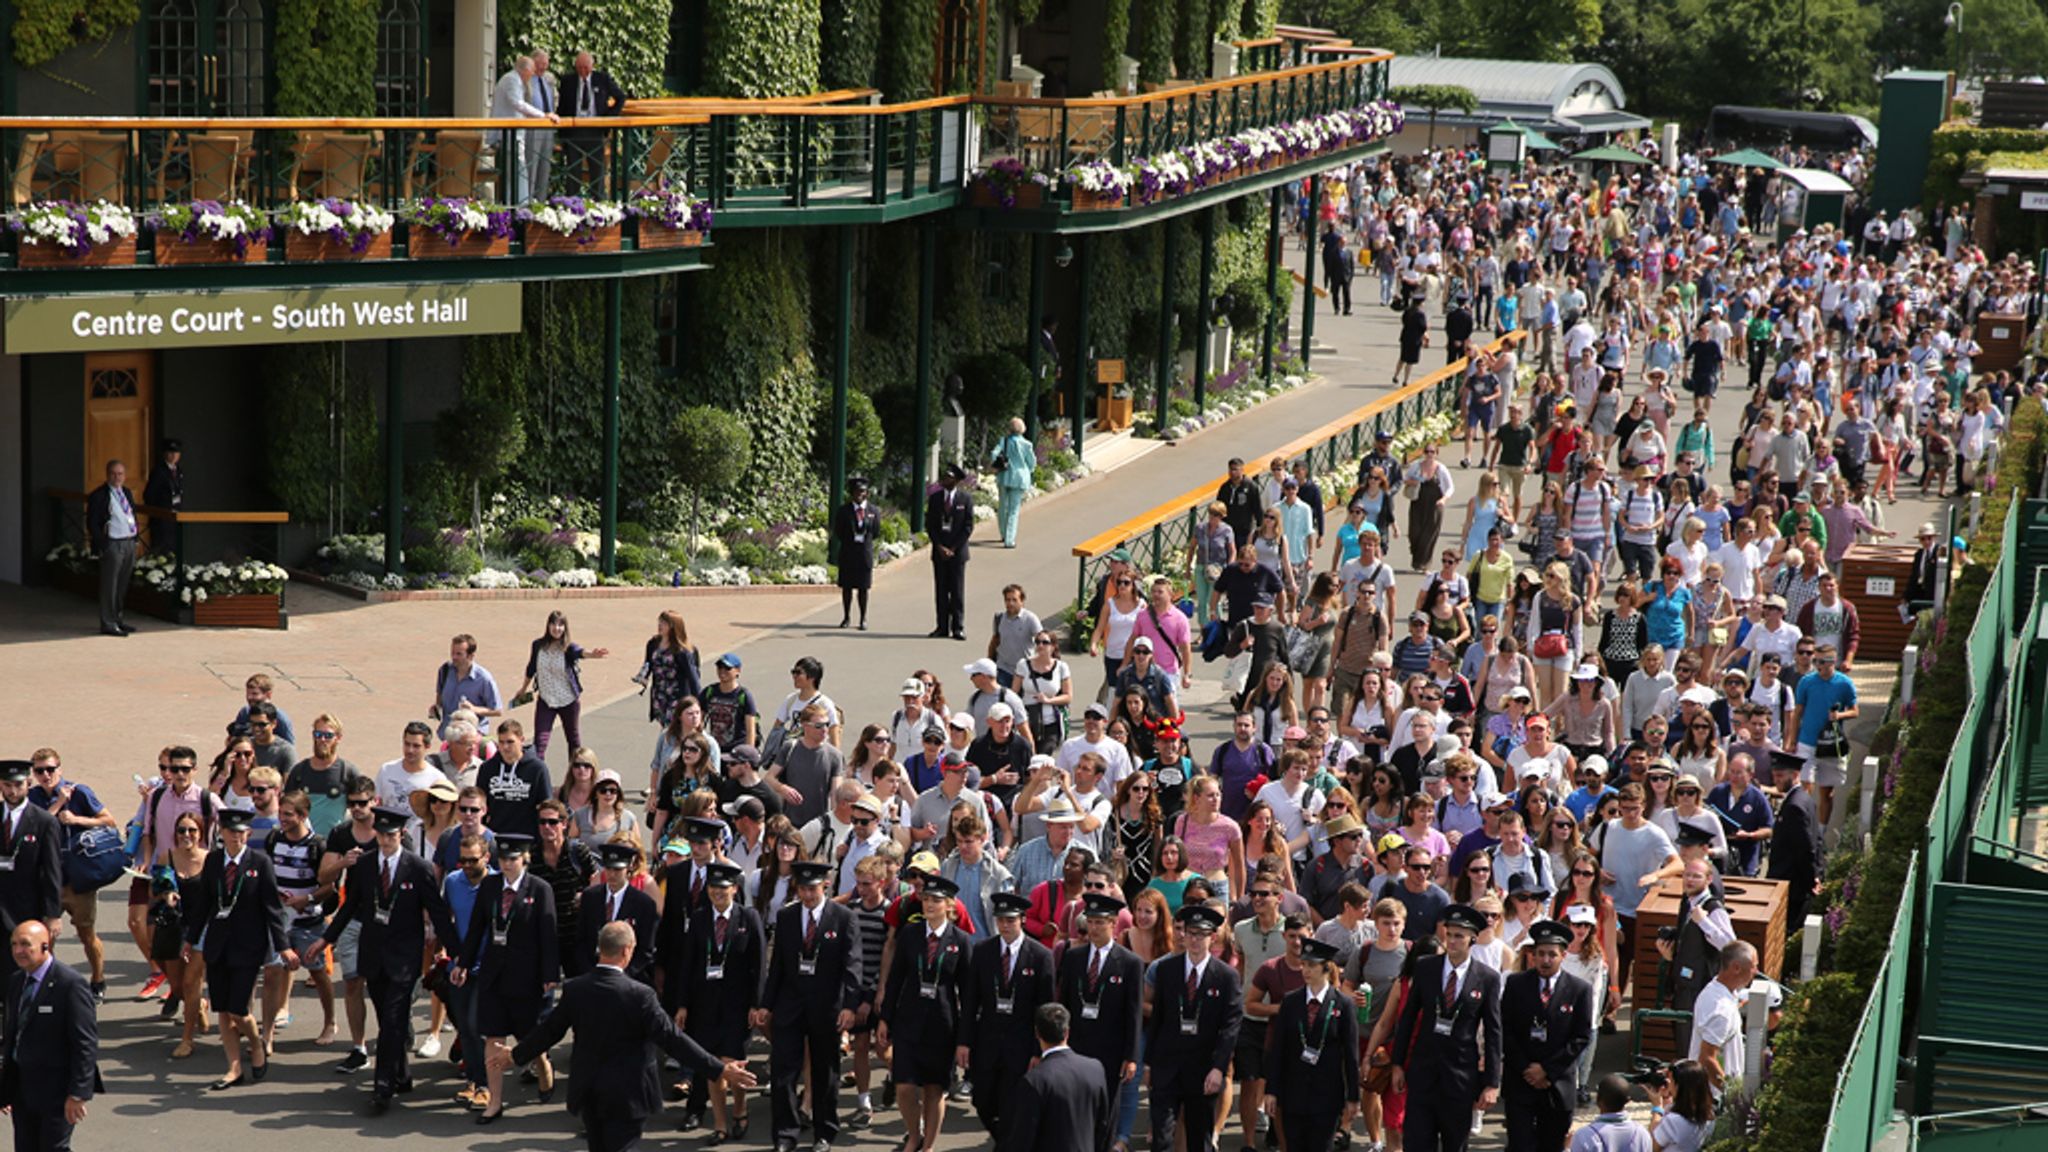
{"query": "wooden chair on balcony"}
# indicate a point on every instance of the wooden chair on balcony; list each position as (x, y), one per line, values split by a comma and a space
(216, 166)
(456, 160)
(26, 154)
(92, 166)
(1091, 133)
(653, 175)
(330, 165)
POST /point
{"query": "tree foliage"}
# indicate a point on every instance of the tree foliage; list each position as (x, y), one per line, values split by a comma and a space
(703, 442)
(630, 41)
(1436, 97)
(323, 457)
(326, 57)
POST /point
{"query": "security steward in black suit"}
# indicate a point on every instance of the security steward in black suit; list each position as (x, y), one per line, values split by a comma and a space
(239, 912)
(514, 951)
(949, 522)
(1447, 1042)
(1064, 1103)
(51, 1044)
(1102, 985)
(1009, 977)
(612, 898)
(814, 983)
(621, 1036)
(921, 1010)
(1312, 1070)
(682, 896)
(31, 861)
(1795, 838)
(1546, 1022)
(724, 961)
(394, 895)
(856, 528)
(1197, 1007)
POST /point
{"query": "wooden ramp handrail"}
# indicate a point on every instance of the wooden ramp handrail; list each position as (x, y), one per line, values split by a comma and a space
(153, 512)
(1248, 80)
(1108, 541)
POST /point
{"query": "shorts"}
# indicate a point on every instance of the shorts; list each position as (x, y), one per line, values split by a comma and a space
(1344, 685)
(347, 950)
(1479, 416)
(138, 892)
(301, 939)
(1511, 477)
(84, 908)
(1564, 663)
(1249, 1062)
(1823, 772)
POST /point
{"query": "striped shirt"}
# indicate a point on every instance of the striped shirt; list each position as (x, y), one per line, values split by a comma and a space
(1588, 505)
(297, 865)
(874, 933)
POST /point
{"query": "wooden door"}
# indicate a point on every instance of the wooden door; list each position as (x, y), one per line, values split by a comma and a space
(120, 415)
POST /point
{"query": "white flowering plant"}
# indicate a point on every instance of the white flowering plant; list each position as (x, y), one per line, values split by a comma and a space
(573, 216)
(809, 574)
(74, 229)
(244, 578)
(493, 578)
(1101, 178)
(213, 221)
(455, 219)
(348, 222)
(671, 208)
(573, 578)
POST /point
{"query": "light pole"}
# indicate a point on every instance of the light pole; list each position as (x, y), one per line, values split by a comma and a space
(1954, 22)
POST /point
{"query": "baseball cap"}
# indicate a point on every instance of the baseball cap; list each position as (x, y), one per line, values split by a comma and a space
(729, 660)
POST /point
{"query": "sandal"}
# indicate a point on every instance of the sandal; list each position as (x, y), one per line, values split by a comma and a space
(183, 1051)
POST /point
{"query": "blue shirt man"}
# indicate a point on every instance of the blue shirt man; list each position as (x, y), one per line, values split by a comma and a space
(1821, 693)
(1748, 809)
(462, 682)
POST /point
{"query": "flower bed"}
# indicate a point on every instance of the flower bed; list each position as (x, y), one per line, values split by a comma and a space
(1008, 184)
(671, 218)
(333, 229)
(567, 225)
(61, 234)
(210, 232)
(455, 228)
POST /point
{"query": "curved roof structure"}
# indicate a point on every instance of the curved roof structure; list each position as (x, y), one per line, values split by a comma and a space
(1566, 98)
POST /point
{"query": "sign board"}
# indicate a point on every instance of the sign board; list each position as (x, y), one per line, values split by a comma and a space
(261, 316)
(1880, 586)
(2034, 201)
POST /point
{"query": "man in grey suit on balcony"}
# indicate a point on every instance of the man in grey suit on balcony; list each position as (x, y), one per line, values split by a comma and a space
(542, 93)
(509, 102)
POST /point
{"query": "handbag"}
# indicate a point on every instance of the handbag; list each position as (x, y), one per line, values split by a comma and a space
(96, 858)
(1833, 743)
(1301, 648)
(1236, 672)
(1550, 646)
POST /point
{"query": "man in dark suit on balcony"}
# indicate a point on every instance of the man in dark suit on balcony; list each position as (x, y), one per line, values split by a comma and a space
(588, 93)
(115, 538)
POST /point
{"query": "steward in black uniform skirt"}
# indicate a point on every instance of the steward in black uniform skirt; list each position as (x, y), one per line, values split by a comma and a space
(724, 956)
(236, 915)
(921, 1011)
(1312, 1054)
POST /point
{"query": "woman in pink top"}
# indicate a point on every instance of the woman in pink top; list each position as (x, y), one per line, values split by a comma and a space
(1215, 842)
(1417, 831)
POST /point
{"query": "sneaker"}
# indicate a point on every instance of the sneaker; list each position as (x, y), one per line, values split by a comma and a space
(152, 988)
(429, 1048)
(284, 1020)
(99, 991)
(356, 1060)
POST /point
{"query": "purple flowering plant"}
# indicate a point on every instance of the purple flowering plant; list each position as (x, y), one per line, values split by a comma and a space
(1007, 176)
(347, 222)
(456, 218)
(213, 221)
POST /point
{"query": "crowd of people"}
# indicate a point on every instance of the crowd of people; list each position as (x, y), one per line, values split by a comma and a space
(1403, 891)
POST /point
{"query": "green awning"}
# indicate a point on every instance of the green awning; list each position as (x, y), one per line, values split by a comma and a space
(1750, 158)
(1535, 141)
(1610, 154)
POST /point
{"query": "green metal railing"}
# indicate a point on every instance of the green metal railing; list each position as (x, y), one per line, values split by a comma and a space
(1869, 1079)
(1157, 540)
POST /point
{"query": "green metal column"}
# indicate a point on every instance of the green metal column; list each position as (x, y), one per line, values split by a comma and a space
(1204, 323)
(1272, 286)
(394, 456)
(1162, 370)
(927, 289)
(608, 541)
(1034, 351)
(1084, 354)
(842, 362)
(1308, 289)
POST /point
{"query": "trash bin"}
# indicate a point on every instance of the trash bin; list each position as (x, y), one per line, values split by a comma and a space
(2003, 336)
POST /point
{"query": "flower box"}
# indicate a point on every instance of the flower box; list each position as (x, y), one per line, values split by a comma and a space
(116, 253)
(1086, 201)
(427, 244)
(982, 194)
(655, 236)
(240, 610)
(173, 252)
(321, 248)
(544, 241)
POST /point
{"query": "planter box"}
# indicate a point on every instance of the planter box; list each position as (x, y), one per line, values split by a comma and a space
(300, 248)
(548, 242)
(426, 244)
(1086, 201)
(654, 236)
(982, 195)
(172, 251)
(253, 610)
(1113, 413)
(119, 254)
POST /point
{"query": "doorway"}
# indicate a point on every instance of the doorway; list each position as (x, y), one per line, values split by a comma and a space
(205, 58)
(120, 414)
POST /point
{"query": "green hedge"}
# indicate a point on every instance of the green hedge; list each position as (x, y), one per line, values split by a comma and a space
(850, 43)
(1814, 1042)
(909, 49)
(46, 29)
(304, 386)
(1152, 39)
(333, 72)
(629, 41)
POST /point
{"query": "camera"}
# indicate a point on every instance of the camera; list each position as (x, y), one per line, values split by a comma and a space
(1668, 934)
(1649, 1073)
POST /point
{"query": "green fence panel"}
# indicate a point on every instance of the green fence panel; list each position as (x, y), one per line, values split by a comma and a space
(1869, 1080)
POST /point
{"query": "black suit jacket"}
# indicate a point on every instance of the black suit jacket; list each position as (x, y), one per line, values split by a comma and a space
(998, 1039)
(1795, 839)
(608, 98)
(635, 908)
(1567, 1023)
(745, 960)
(1330, 1082)
(678, 904)
(1218, 1011)
(912, 1017)
(33, 889)
(52, 1045)
(1449, 1067)
(949, 530)
(1063, 1106)
(393, 950)
(1926, 576)
(99, 504)
(257, 922)
(531, 955)
(835, 987)
(1112, 1037)
(868, 521)
(615, 1066)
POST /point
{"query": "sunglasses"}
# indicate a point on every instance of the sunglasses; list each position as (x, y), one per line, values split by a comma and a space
(934, 738)
(188, 832)
(45, 771)
(1478, 871)
(1042, 643)
(261, 790)
(863, 822)
(880, 740)
(470, 810)
(1141, 791)
(550, 822)
(326, 736)
(359, 803)
(609, 790)
(1419, 867)
(1265, 895)
(584, 764)
(469, 861)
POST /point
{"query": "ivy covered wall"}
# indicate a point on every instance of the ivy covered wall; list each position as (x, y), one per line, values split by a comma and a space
(630, 41)
(46, 29)
(326, 57)
(850, 41)
(909, 54)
